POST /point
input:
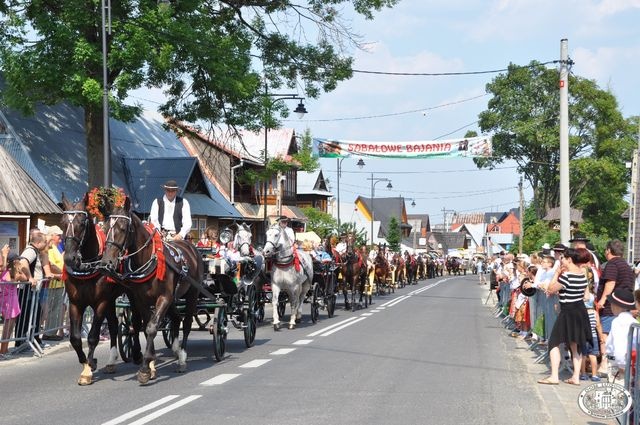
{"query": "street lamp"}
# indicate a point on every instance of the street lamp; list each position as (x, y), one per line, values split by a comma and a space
(375, 181)
(359, 164)
(106, 144)
(300, 111)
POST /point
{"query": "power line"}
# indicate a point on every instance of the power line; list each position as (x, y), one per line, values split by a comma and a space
(441, 74)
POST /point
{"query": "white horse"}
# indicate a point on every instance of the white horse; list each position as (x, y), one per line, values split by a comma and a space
(292, 272)
(242, 241)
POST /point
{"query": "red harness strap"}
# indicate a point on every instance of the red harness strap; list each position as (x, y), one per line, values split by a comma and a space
(158, 248)
(295, 261)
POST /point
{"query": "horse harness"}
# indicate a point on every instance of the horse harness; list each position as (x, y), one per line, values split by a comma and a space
(88, 269)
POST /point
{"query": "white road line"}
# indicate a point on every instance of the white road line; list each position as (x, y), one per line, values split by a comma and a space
(388, 302)
(255, 363)
(366, 314)
(282, 351)
(376, 311)
(303, 342)
(136, 412)
(167, 409)
(220, 379)
(399, 300)
(316, 333)
(343, 326)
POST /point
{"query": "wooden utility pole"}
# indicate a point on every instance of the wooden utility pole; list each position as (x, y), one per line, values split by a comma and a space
(521, 236)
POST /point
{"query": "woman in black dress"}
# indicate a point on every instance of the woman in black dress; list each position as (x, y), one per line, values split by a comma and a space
(572, 326)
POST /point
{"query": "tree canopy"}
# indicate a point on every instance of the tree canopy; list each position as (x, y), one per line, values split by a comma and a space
(217, 60)
(523, 116)
(393, 235)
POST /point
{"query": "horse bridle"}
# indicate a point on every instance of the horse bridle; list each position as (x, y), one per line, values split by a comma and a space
(239, 248)
(70, 230)
(277, 247)
(122, 255)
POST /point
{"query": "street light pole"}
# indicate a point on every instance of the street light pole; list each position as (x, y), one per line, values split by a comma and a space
(105, 98)
(300, 110)
(375, 181)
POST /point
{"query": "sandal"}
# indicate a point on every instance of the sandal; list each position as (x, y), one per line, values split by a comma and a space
(571, 382)
(547, 381)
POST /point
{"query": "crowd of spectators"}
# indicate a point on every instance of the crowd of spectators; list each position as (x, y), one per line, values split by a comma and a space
(564, 301)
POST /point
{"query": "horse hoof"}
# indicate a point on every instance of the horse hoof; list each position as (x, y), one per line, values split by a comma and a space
(153, 375)
(181, 368)
(85, 380)
(143, 377)
(298, 320)
(93, 363)
(110, 368)
(276, 327)
(292, 326)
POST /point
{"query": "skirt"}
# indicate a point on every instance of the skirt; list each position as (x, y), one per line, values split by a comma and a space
(572, 325)
(9, 303)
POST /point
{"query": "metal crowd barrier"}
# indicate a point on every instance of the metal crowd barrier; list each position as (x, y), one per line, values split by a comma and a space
(632, 376)
(43, 316)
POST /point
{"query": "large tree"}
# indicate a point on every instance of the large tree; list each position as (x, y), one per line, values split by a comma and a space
(214, 58)
(523, 116)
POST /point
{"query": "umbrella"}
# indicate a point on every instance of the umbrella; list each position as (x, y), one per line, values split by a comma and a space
(311, 236)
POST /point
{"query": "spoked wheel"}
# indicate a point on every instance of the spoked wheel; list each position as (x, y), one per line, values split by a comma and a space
(330, 297)
(260, 313)
(282, 304)
(249, 317)
(316, 296)
(202, 318)
(219, 331)
(125, 335)
(167, 336)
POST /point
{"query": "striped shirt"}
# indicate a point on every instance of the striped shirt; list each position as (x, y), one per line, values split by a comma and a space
(573, 286)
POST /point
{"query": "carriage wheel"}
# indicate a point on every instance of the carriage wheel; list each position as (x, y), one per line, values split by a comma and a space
(167, 336)
(249, 317)
(219, 330)
(330, 295)
(260, 312)
(316, 295)
(282, 304)
(125, 335)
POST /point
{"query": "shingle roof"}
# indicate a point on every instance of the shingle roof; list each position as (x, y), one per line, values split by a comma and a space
(384, 209)
(312, 183)
(20, 194)
(448, 240)
(553, 214)
(469, 218)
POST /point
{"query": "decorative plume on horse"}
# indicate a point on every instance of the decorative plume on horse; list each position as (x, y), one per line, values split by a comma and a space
(292, 272)
(155, 273)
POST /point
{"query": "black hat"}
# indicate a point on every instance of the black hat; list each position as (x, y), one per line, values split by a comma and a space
(559, 247)
(579, 237)
(170, 185)
(622, 297)
(529, 292)
(283, 218)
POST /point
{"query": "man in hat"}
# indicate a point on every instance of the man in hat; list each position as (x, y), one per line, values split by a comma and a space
(283, 222)
(622, 301)
(171, 213)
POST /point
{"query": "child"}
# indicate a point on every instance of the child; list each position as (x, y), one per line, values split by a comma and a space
(622, 301)
(10, 308)
(596, 333)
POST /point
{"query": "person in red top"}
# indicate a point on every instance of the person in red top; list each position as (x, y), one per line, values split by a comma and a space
(616, 274)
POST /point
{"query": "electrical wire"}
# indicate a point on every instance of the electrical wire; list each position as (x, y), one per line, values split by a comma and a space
(441, 74)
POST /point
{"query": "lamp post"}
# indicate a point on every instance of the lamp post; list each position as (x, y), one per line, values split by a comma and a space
(375, 181)
(300, 110)
(105, 97)
(339, 172)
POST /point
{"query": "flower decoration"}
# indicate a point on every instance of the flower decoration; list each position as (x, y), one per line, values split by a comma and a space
(101, 199)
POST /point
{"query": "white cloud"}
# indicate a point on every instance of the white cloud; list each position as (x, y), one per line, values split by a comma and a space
(612, 7)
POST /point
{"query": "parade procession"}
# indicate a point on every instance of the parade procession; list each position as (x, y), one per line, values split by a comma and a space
(325, 211)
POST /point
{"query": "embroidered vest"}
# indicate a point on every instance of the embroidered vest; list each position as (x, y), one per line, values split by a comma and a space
(177, 213)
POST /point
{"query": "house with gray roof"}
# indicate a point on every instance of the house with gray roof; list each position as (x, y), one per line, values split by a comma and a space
(313, 190)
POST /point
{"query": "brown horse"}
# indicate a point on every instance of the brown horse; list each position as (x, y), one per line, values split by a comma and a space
(382, 273)
(353, 266)
(86, 287)
(156, 274)
(399, 269)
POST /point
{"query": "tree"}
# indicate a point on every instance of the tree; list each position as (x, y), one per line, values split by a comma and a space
(523, 117)
(214, 59)
(320, 222)
(393, 235)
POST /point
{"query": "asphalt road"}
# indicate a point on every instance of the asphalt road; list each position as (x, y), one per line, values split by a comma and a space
(429, 354)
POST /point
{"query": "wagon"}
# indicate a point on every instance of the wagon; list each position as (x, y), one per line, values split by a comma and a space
(322, 294)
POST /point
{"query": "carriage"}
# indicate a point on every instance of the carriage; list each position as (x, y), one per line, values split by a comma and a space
(322, 295)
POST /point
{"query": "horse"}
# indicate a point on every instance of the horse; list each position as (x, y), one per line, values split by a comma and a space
(411, 268)
(422, 267)
(86, 287)
(453, 266)
(292, 272)
(381, 271)
(353, 266)
(399, 269)
(156, 273)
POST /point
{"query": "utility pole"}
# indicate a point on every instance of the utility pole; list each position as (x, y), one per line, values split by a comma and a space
(633, 204)
(521, 236)
(444, 214)
(565, 205)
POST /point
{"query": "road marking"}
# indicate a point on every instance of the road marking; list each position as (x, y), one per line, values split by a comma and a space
(316, 333)
(282, 351)
(382, 306)
(167, 409)
(399, 300)
(343, 326)
(255, 363)
(220, 379)
(376, 311)
(136, 412)
(303, 342)
(366, 314)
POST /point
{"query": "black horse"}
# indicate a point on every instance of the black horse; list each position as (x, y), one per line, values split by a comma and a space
(86, 287)
(155, 273)
(353, 266)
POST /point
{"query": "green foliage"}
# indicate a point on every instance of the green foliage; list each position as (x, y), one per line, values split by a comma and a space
(361, 234)
(320, 222)
(523, 117)
(202, 53)
(304, 156)
(393, 235)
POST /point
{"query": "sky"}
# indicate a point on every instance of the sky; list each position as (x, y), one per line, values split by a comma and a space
(426, 36)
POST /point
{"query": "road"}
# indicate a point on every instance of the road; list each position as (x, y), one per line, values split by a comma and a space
(429, 354)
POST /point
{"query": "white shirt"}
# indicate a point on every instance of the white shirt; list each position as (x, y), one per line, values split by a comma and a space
(290, 234)
(341, 247)
(167, 219)
(617, 340)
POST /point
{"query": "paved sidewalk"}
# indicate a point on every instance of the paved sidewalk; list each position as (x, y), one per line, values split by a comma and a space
(560, 400)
